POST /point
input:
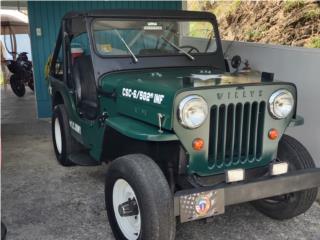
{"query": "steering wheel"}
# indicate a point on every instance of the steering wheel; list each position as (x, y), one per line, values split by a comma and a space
(191, 48)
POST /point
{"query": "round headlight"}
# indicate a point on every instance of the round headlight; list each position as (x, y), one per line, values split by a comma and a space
(281, 103)
(193, 111)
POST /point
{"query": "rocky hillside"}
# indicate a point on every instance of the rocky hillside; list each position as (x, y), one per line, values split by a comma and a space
(295, 23)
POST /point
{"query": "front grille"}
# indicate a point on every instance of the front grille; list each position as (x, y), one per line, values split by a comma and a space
(236, 133)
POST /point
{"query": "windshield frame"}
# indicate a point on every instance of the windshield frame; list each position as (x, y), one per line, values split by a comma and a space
(76, 21)
(208, 20)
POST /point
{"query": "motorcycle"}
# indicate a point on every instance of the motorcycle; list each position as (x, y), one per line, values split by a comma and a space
(22, 74)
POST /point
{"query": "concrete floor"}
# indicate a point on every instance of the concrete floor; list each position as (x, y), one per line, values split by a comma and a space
(43, 200)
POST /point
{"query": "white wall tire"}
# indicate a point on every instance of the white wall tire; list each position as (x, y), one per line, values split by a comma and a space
(138, 176)
(57, 135)
(130, 225)
(63, 143)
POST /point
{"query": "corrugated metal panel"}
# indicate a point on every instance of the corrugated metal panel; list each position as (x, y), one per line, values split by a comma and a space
(47, 15)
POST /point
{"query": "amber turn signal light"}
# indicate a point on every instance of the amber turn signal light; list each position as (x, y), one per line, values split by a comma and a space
(273, 134)
(198, 144)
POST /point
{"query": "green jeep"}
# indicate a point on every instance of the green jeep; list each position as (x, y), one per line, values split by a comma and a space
(148, 93)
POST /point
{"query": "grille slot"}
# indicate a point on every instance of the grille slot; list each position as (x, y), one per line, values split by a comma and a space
(236, 133)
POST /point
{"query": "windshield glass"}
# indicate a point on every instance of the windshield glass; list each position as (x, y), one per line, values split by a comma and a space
(153, 37)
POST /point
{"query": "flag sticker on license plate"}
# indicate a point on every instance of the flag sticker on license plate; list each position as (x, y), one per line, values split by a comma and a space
(201, 205)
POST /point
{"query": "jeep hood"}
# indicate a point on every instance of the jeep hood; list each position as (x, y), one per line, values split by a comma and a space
(148, 95)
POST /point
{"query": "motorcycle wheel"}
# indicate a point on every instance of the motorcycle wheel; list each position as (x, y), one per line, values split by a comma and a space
(17, 86)
(31, 85)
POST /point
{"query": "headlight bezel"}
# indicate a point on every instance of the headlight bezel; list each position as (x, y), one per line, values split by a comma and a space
(182, 105)
(272, 100)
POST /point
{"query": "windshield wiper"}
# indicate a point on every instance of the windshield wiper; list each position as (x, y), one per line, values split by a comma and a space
(177, 48)
(135, 59)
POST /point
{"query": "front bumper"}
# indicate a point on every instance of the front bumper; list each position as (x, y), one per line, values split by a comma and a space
(205, 202)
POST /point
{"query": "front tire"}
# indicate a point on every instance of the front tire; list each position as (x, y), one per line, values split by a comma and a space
(17, 86)
(63, 143)
(293, 204)
(135, 180)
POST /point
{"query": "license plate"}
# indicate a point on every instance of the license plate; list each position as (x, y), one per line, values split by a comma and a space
(201, 205)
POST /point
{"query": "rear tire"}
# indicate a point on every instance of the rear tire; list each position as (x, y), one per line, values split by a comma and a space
(153, 198)
(293, 204)
(31, 85)
(63, 143)
(17, 85)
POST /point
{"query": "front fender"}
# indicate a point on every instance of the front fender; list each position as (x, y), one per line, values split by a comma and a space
(297, 121)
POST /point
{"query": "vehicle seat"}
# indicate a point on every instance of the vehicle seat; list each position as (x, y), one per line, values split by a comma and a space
(85, 87)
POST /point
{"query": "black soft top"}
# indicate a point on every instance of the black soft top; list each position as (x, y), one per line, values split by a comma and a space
(140, 14)
(75, 23)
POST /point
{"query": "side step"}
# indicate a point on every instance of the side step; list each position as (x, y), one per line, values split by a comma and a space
(83, 159)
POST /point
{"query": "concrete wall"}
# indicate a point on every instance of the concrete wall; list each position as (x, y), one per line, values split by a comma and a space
(298, 65)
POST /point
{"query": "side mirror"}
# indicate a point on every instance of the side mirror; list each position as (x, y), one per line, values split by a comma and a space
(236, 61)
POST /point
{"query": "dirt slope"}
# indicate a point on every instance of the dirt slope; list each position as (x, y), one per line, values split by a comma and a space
(294, 23)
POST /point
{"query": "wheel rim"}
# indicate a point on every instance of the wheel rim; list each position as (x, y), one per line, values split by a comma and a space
(57, 135)
(130, 226)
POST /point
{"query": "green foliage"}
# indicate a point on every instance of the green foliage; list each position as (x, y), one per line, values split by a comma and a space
(200, 29)
(314, 43)
(224, 8)
(254, 34)
(234, 6)
(289, 5)
(312, 14)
